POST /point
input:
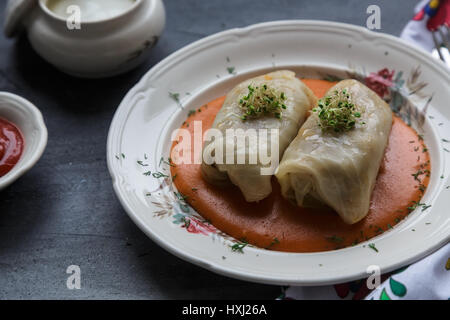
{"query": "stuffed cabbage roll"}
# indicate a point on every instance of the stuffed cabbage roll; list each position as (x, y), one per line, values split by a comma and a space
(277, 100)
(335, 158)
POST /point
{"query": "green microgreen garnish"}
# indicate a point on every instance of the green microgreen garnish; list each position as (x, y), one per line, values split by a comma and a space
(262, 100)
(337, 112)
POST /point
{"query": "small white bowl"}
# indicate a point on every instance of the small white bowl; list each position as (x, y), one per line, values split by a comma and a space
(28, 119)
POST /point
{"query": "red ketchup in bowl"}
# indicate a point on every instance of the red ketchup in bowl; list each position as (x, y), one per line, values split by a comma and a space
(11, 146)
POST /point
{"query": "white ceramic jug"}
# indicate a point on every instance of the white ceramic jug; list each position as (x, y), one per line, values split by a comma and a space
(90, 38)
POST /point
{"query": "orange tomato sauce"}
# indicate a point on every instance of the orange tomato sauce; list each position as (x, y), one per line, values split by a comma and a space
(276, 224)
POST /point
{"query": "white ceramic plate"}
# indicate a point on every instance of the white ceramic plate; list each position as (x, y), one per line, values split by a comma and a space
(206, 69)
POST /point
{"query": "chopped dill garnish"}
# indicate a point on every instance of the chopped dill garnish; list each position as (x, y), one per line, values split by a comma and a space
(239, 246)
(231, 70)
(416, 204)
(191, 113)
(159, 175)
(262, 100)
(175, 96)
(445, 140)
(141, 163)
(186, 221)
(372, 246)
(123, 155)
(379, 230)
(117, 157)
(274, 242)
(194, 189)
(335, 239)
(169, 162)
(147, 173)
(337, 112)
(180, 196)
(422, 188)
(417, 174)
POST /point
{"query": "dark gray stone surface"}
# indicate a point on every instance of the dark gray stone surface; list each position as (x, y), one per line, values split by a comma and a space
(64, 211)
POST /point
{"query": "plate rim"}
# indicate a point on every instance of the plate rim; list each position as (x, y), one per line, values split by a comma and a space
(228, 271)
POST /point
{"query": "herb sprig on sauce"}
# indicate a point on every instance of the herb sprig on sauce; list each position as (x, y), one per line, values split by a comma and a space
(262, 100)
(337, 112)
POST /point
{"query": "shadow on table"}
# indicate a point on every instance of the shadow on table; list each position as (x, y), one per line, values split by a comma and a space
(76, 95)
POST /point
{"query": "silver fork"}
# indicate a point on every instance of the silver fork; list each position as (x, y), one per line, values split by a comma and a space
(442, 49)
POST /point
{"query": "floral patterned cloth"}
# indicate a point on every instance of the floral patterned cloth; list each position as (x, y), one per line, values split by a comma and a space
(428, 278)
(429, 16)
